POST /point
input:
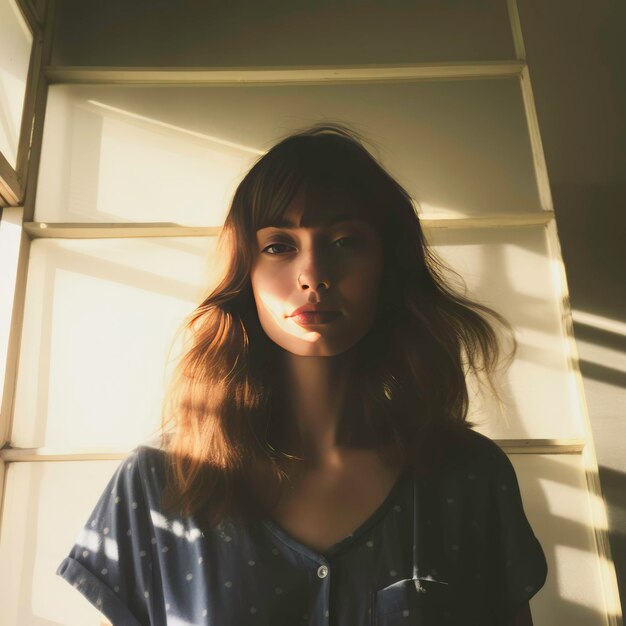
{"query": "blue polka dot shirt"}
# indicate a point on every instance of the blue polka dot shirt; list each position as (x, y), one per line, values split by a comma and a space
(472, 552)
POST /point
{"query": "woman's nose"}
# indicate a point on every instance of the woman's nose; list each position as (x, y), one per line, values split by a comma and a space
(314, 275)
(306, 281)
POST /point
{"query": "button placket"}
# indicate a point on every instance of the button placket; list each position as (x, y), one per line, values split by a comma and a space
(322, 573)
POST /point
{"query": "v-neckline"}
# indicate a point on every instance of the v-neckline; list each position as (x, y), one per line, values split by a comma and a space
(333, 550)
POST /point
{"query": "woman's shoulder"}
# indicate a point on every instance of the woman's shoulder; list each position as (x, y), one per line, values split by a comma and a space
(141, 474)
(149, 453)
(151, 462)
(466, 449)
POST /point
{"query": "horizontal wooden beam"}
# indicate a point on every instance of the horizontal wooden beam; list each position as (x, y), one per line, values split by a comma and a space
(541, 446)
(73, 230)
(11, 455)
(282, 74)
(93, 230)
(510, 446)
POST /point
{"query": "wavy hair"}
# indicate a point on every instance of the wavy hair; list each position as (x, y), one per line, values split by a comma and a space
(408, 393)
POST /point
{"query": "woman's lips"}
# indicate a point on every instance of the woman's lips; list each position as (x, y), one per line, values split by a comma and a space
(313, 318)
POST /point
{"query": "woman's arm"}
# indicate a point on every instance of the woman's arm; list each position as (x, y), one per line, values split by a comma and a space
(523, 617)
(105, 622)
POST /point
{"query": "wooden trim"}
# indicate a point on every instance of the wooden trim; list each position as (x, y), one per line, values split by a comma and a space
(10, 185)
(541, 169)
(510, 446)
(10, 242)
(28, 111)
(30, 16)
(20, 243)
(504, 219)
(91, 230)
(12, 353)
(74, 230)
(516, 30)
(38, 93)
(18, 455)
(590, 462)
(3, 477)
(283, 74)
(15, 338)
(600, 525)
(25, 162)
(541, 446)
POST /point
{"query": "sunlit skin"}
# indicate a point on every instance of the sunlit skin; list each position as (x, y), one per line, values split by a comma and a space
(338, 266)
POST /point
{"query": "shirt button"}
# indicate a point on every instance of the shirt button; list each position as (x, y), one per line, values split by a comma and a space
(322, 571)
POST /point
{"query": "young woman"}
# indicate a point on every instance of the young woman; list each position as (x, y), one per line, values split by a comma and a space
(316, 464)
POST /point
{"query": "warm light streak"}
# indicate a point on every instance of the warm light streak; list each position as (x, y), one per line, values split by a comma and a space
(179, 129)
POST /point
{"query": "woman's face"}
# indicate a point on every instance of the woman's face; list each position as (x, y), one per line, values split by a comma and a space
(335, 268)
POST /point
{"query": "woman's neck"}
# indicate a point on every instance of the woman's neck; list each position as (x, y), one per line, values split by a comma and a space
(314, 391)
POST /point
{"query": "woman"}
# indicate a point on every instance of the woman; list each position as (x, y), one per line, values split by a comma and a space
(317, 465)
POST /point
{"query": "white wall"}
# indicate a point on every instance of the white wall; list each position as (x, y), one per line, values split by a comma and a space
(576, 51)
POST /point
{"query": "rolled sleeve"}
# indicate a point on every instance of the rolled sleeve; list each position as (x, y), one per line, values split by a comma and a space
(111, 560)
(517, 563)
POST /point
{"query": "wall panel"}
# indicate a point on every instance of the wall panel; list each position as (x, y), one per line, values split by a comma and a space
(176, 153)
(279, 32)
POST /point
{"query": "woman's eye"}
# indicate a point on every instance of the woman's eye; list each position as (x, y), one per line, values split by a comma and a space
(347, 241)
(279, 248)
(275, 245)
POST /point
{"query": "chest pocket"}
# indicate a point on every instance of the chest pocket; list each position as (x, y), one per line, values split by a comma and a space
(401, 604)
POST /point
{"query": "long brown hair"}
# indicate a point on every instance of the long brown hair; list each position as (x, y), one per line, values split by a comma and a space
(222, 412)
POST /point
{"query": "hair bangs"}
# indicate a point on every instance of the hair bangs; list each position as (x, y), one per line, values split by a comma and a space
(338, 183)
